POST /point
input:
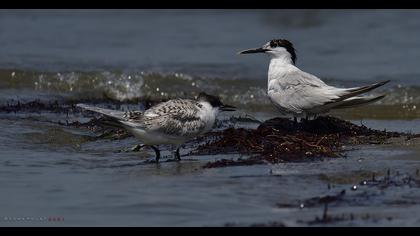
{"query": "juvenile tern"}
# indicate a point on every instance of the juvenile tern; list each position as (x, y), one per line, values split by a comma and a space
(173, 122)
(300, 94)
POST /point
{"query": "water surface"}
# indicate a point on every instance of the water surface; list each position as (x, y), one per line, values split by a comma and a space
(107, 56)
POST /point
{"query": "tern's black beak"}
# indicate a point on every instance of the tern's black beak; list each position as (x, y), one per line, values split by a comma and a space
(227, 108)
(253, 50)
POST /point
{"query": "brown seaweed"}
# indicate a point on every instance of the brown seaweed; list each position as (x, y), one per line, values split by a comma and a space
(281, 140)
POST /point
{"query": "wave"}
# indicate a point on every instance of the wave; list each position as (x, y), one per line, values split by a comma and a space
(123, 86)
(130, 86)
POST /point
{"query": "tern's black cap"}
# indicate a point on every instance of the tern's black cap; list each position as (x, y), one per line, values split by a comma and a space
(213, 100)
(285, 44)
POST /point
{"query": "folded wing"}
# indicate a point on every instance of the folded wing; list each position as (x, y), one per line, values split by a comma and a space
(303, 92)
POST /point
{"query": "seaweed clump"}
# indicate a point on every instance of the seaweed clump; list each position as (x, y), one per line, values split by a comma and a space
(282, 140)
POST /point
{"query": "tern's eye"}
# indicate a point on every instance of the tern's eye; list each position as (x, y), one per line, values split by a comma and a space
(274, 43)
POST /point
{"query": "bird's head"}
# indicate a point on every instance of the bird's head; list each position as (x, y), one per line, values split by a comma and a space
(275, 48)
(214, 102)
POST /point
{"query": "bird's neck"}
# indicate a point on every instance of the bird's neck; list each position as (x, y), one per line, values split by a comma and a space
(281, 58)
(208, 114)
(208, 110)
(279, 66)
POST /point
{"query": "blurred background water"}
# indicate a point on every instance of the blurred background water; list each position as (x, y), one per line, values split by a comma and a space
(113, 51)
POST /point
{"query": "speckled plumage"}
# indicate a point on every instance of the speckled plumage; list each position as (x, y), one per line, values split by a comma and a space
(172, 122)
(177, 117)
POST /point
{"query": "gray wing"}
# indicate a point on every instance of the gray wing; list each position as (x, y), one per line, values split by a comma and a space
(302, 91)
(108, 112)
(176, 117)
(130, 118)
(175, 124)
(173, 106)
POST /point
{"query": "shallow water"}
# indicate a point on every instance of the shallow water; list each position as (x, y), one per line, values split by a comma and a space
(49, 170)
(90, 184)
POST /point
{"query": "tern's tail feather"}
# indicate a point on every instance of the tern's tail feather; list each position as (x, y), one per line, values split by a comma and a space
(108, 112)
(352, 92)
(356, 101)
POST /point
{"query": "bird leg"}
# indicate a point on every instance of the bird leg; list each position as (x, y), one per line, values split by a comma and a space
(295, 120)
(177, 155)
(157, 153)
